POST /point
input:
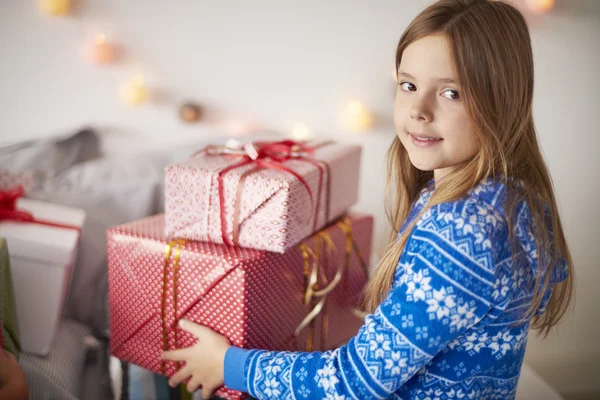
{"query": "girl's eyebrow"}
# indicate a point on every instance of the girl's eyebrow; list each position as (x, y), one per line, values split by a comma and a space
(447, 80)
(444, 80)
(406, 74)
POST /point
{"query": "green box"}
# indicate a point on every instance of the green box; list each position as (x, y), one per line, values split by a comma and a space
(8, 313)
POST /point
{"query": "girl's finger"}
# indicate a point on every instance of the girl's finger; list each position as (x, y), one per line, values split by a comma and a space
(193, 328)
(193, 384)
(10, 357)
(180, 376)
(175, 355)
(207, 391)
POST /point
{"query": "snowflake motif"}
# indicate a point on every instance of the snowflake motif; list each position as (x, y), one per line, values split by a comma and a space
(418, 286)
(430, 252)
(464, 315)
(475, 342)
(380, 345)
(370, 325)
(501, 343)
(434, 342)
(421, 332)
(395, 364)
(447, 217)
(434, 394)
(453, 344)
(326, 377)
(460, 369)
(272, 387)
(412, 246)
(501, 288)
(302, 374)
(488, 215)
(407, 321)
(304, 391)
(462, 225)
(396, 309)
(455, 394)
(520, 278)
(519, 341)
(444, 365)
(441, 303)
(480, 240)
(274, 366)
(473, 220)
(406, 269)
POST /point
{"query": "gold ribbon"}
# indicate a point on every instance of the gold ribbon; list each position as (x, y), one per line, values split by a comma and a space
(178, 245)
(311, 275)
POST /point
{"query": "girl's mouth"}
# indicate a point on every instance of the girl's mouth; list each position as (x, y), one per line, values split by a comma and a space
(424, 140)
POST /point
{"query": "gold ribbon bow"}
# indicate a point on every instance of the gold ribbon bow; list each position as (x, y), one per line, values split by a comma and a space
(312, 271)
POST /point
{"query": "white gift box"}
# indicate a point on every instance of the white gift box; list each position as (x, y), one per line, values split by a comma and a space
(41, 258)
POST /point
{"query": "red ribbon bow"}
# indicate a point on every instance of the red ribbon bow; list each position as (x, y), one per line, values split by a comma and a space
(8, 205)
(283, 150)
(9, 211)
(269, 155)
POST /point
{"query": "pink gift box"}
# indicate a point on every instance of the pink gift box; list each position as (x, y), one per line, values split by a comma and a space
(280, 202)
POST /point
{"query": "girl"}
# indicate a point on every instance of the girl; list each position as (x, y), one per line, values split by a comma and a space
(478, 255)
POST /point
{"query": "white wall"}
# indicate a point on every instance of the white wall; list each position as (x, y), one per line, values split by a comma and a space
(275, 63)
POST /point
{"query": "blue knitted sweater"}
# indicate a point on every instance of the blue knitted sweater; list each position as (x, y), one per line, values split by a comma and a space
(448, 329)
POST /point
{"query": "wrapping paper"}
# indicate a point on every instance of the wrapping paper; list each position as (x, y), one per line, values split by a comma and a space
(10, 179)
(280, 203)
(253, 297)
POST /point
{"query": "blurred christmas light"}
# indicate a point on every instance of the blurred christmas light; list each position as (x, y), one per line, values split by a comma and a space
(134, 92)
(190, 112)
(356, 117)
(100, 51)
(300, 132)
(55, 7)
(540, 6)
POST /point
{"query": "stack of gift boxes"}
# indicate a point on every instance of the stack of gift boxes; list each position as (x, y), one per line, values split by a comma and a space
(256, 242)
(38, 249)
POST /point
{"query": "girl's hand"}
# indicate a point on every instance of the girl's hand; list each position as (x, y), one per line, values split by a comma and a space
(13, 384)
(204, 361)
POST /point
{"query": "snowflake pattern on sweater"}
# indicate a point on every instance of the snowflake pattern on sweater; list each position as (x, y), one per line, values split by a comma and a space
(449, 327)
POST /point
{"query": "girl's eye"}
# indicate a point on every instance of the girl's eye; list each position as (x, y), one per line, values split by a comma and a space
(451, 94)
(408, 87)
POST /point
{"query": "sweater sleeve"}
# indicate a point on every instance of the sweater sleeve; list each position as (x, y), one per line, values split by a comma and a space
(443, 285)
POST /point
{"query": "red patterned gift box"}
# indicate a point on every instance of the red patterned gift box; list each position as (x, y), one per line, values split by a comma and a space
(266, 196)
(258, 299)
(11, 179)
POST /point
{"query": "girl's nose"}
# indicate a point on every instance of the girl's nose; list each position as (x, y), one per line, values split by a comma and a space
(420, 111)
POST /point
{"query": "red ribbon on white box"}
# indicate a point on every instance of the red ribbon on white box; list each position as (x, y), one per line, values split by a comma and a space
(9, 211)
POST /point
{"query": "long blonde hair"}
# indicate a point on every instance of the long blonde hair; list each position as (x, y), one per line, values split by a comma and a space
(492, 52)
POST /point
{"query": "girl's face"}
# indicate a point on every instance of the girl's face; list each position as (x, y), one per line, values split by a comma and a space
(429, 112)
